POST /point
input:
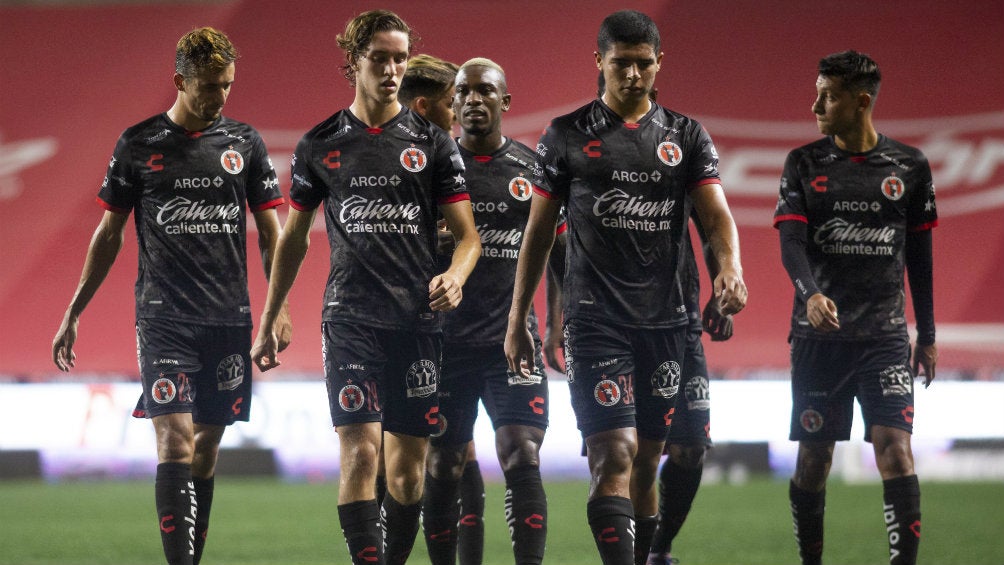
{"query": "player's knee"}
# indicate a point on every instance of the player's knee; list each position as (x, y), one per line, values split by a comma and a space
(447, 462)
(687, 456)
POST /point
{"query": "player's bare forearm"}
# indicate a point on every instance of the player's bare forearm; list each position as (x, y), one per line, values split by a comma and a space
(290, 250)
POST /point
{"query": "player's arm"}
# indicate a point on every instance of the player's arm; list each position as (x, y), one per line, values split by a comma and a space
(446, 289)
(538, 238)
(819, 309)
(552, 290)
(291, 248)
(713, 210)
(920, 268)
(717, 324)
(269, 229)
(101, 253)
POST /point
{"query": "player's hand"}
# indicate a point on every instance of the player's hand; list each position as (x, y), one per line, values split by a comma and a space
(445, 242)
(62, 345)
(445, 292)
(716, 324)
(822, 313)
(926, 357)
(519, 351)
(283, 328)
(730, 290)
(264, 352)
(554, 348)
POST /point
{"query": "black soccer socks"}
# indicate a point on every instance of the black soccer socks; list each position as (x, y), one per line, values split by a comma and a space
(400, 526)
(360, 523)
(177, 510)
(644, 530)
(611, 519)
(440, 512)
(204, 497)
(677, 489)
(807, 510)
(901, 513)
(526, 514)
(471, 528)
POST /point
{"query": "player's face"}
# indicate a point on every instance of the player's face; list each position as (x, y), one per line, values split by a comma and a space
(204, 95)
(480, 100)
(440, 110)
(380, 68)
(836, 108)
(629, 71)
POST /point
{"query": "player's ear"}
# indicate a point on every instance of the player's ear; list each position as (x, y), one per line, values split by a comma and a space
(179, 82)
(421, 105)
(506, 101)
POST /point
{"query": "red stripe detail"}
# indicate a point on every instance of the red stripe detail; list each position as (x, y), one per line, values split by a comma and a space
(111, 208)
(631, 126)
(544, 193)
(270, 204)
(454, 198)
(374, 131)
(302, 207)
(561, 229)
(791, 218)
(923, 227)
(482, 158)
(859, 159)
(702, 182)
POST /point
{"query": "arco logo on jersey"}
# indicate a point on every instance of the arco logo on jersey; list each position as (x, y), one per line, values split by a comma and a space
(520, 188)
(893, 187)
(669, 153)
(232, 161)
(413, 159)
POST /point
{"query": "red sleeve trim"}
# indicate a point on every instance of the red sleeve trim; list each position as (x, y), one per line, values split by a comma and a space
(702, 182)
(302, 207)
(544, 193)
(561, 229)
(111, 208)
(454, 198)
(270, 204)
(790, 217)
(924, 227)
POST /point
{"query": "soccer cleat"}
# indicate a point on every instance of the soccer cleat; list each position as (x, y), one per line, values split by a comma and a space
(661, 559)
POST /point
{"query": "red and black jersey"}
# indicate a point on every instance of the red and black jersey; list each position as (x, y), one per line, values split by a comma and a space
(858, 209)
(188, 191)
(624, 187)
(380, 188)
(501, 186)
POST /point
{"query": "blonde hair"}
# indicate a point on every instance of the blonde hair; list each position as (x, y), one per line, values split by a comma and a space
(483, 62)
(426, 76)
(203, 49)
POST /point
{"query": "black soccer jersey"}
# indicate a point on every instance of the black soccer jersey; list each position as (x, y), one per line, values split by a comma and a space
(858, 208)
(624, 187)
(188, 191)
(501, 187)
(380, 188)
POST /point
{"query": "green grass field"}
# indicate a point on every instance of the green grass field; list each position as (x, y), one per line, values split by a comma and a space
(272, 522)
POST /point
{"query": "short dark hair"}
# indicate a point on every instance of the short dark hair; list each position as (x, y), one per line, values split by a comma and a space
(627, 26)
(359, 32)
(426, 76)
(203, 49)
(856, 71)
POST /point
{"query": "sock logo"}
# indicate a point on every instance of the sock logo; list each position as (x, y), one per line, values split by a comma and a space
(606, 535)
(368, 554)
(891, 528)
(164, 524)
(469, 520)
(535, 521)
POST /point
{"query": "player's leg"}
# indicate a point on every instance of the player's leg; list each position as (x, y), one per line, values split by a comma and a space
(610, 512)
(207, 448)
(402, 507)
(471, 528)
(688, 440)
(358, 512)
(644, 495)
(886, 396)
(807, 495)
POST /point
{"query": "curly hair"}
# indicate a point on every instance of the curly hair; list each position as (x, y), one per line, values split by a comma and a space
(203, 49)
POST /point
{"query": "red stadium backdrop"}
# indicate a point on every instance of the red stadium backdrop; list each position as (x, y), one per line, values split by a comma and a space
(73, 78)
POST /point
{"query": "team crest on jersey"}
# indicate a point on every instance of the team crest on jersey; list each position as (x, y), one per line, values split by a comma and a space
(163, 391)
(230, 373)
(669, 153)
(666, 380)
(351, 398)
(520, 188)
(811, 420)
(607, 392)
(413, 159)
(422, 378)
(232, 161)
(893, 187)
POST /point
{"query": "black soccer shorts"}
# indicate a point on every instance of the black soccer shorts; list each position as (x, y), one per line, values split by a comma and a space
(692, 415)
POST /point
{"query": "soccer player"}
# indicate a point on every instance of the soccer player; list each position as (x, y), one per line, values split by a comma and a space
(499, 172)
(855, 208)
(188, 174)
(381, 171)
(624, 167)
(427, 89)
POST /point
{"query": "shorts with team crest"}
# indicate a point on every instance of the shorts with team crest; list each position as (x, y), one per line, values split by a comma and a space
(382, 375)
(623, 377)
(692, 415)
(185, 367)
(482, 373)
(826, 376)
